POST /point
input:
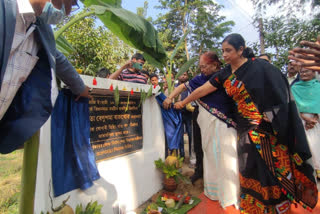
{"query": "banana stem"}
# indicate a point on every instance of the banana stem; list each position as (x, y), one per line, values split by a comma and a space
(71, 22)
(29, 174)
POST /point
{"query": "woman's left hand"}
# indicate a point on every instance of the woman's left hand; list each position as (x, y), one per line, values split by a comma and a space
(167, 103)
(178, 105)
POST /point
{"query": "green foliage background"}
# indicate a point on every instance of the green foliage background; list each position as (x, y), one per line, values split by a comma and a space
(95, 47)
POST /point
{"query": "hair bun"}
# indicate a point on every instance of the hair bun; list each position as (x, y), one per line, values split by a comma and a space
(248, 53)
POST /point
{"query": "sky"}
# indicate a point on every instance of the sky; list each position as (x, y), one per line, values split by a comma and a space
(240, 11)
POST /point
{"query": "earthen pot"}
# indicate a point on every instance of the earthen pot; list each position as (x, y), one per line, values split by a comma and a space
(170, 184)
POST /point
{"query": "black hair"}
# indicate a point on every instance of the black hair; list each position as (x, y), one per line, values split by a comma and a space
(138, 56)
(103, 72)
(154, 75)
(236, 41)
(248, 53)
(265, 54)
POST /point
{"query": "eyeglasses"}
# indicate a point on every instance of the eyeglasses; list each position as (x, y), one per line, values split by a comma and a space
(203, 66)
(75, 5)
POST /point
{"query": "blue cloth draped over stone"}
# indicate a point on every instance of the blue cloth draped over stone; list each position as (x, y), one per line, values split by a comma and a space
(217, 103)
(73, 160)
(30, 108)
(172, 122)
(307, 96)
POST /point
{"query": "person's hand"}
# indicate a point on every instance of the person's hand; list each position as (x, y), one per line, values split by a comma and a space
(179, 105)
(310, 123)
(307, 57)
(167, 103)
(265, 118)
(127, 65)
(85, 93)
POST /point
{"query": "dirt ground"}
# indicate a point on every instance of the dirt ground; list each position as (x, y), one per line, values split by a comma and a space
(193, 189)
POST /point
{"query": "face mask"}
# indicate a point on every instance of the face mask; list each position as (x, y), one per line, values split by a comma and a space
(137, 65)
(52, 15)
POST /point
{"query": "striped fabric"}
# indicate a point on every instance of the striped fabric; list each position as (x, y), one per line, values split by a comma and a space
(130, 76)
(23, 55)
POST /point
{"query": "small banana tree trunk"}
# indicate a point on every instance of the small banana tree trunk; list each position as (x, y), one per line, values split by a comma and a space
(29, 174)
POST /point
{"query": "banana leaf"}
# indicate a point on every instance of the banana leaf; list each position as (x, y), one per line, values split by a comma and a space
(130, 28)
(185, 67)
(143, 95)
(64, 46)
(127, 107)
(178, 45)
(115, 3)
(116, 96)
(149, 94)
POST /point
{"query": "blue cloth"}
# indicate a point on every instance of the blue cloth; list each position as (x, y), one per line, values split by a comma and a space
(73, 161)
(172, 122)
(30, 108)
(218, 99)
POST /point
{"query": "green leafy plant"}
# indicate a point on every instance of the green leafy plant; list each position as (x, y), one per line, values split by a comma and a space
(171, 170)
(184, 68)
(131, 28)
(91, 208)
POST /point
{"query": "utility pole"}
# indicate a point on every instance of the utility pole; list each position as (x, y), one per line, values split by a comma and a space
(261, 36)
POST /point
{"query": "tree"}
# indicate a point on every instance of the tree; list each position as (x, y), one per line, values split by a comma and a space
(282, 34)
(95, 47)
(200, 16)
(130, 28)
(291, 7)
(143, 11)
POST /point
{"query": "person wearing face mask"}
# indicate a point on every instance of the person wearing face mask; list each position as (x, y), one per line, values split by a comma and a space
(29, 66)
(131, 71)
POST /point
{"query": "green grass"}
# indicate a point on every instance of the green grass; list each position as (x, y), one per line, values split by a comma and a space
(10, 178)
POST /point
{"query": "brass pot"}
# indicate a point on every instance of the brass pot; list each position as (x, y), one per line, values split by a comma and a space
(170, 184)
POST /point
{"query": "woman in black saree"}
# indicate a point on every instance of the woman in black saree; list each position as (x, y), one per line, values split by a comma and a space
(273, 150)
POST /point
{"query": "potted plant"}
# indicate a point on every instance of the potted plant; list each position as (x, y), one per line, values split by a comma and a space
(171, 168)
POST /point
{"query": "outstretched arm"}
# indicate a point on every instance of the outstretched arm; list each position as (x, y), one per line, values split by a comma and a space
(307, 57)
(202, 91)
(66, 72)
(178, 90)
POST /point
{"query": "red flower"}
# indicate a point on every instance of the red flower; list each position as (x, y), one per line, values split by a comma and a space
(111, 87)
(94, 81)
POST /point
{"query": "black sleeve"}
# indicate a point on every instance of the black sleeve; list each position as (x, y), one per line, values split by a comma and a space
(216, 80)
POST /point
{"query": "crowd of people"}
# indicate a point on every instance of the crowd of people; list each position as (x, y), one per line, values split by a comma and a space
(273, 156)
(255, 130)
(248, 156)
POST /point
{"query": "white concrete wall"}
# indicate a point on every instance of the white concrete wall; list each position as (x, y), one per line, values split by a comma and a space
(129, 180)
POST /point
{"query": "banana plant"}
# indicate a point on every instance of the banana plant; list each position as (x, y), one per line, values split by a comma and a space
(129, 27)
(133, 30)
(184, 68)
